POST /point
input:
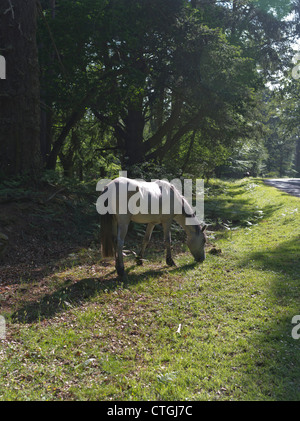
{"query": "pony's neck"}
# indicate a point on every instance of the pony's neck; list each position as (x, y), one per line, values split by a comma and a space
(187, 214)
(189, 229)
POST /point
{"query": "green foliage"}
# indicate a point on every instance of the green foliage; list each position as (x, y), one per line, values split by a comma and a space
(18, 188)
(282, 133)
(148, 75)
(153, 170)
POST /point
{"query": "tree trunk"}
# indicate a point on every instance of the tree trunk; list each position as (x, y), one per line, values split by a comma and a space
(187, 158)
(135, 123)
(67, 158)
(46, 108)
(46, 132)
(20, 93)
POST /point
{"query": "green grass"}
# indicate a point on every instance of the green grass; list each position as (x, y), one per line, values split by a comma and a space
(94, 338)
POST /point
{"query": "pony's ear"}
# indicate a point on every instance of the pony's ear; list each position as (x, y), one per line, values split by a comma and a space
(203, 228)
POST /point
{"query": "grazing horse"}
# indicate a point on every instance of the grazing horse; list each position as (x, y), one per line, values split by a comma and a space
(136, 198)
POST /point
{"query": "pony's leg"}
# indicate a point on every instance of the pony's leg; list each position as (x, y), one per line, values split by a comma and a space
(115, 239)
(146, 239)
(167, 241)
(121, 234)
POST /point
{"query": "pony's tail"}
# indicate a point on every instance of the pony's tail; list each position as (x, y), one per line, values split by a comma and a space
(107, 245)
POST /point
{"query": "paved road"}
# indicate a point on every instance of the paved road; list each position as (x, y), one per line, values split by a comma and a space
(288, 185)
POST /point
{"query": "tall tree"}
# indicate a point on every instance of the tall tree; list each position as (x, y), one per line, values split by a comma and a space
(153, 73)
(176, 74)
(19, 94)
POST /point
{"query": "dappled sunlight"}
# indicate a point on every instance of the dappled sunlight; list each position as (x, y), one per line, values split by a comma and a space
(233, 205)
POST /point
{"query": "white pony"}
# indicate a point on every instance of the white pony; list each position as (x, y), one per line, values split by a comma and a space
(149, 203)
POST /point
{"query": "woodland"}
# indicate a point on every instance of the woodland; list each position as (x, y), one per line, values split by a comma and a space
(184, 87)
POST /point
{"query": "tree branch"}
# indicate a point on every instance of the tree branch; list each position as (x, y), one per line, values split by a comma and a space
(165, 128)
(192, 124)
(73, 119)
(10, 9)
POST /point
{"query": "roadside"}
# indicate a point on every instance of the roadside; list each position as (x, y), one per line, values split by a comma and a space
(288, 185)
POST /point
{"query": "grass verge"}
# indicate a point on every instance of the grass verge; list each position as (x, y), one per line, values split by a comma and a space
(217, 331)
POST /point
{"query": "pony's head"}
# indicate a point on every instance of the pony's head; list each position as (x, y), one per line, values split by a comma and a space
(196, 243)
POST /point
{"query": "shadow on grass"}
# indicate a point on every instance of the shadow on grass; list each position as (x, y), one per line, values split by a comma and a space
(72, 295)
(284, 259)
(278, 368)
